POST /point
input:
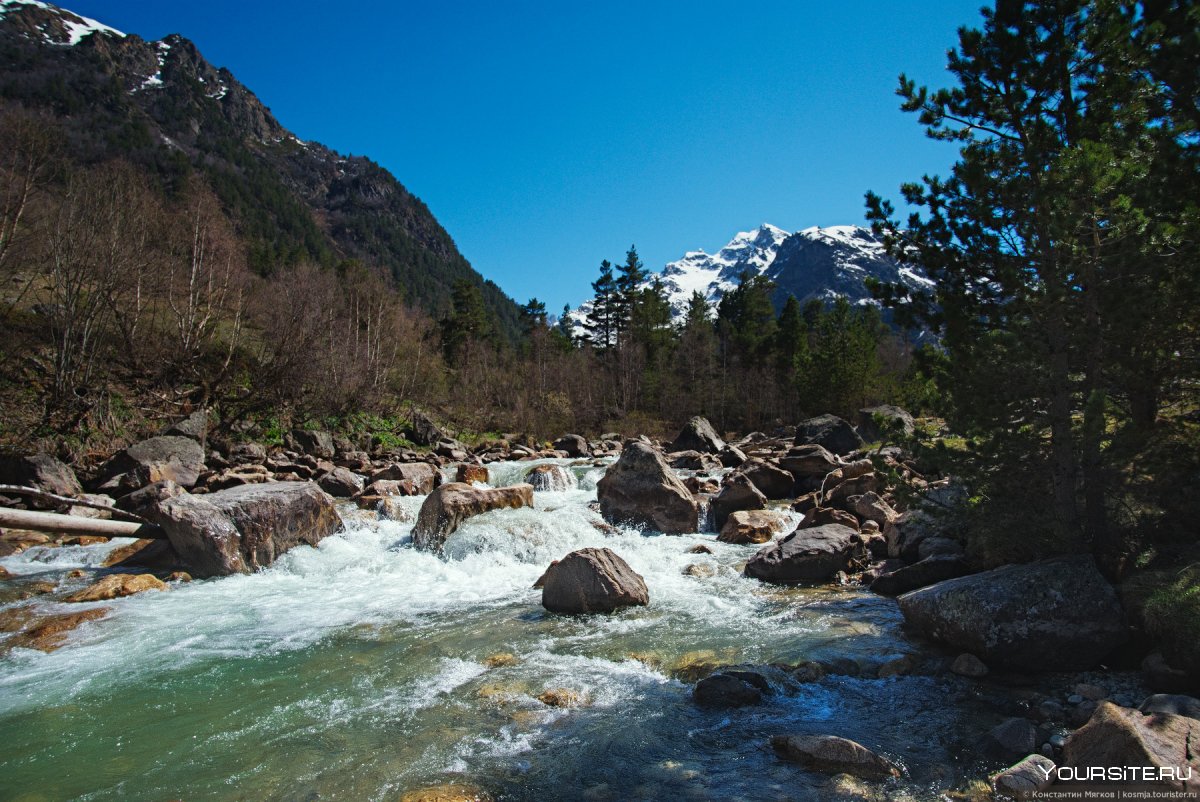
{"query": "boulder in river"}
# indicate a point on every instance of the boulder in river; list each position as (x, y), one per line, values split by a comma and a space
(179, 459)
(752, 526)
(1053, 615)
(808, 555)
(833, 755)
(641, 490)
(114, 586)
(829, 431)
(731, 689)
(921, 574)
(554, 478)
(1121, 737)
(242, 529)
(698, 435)
(451, 504)
(40, 471)
(810, 462)
(340, 482)
(422, 476)
(771, 480)
(50, 632)
(575, 446)
(739, 493)
(592, 581)
(1030, 776)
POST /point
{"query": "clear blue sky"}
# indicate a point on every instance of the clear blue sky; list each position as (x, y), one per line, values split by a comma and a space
(546, 136)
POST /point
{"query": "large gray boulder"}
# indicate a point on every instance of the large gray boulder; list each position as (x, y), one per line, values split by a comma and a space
(42, 472)
(774, 482)
(698, 435)
(931, 570)
(454, 502)
(242, 529)
(739, 493)
(807, 555)
(829, 431)
(641, 490)
(893, 418)
(423, 431)
(420, 478)
(810, 461)
(574, 445)
(314, 443)
(592, 581)
(1053, 615)
(194, 426)
(180, 459)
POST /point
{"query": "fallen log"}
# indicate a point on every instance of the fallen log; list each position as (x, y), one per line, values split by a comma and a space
(67, 501)
(76, 525)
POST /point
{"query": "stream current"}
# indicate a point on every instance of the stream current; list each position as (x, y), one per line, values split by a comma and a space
(360, 670)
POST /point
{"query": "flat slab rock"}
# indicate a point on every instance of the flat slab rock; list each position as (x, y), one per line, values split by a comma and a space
(244, 528)
(447, 507)
(592, 581)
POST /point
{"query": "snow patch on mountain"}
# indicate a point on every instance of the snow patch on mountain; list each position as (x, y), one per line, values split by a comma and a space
(75, 27)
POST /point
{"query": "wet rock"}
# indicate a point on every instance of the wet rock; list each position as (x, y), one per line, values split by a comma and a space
(1011, 739)
(1121, 736)
(592, 581)
(115, 586)
(1080, 713)
(698, 435)
(833, 755)
(700, 549)
(4, 574)
(807, 555)
(422, 476)
(390, 487)
(245, 528)
(447, 507)
(575, 446)
(639, 489)
(451, 792)
(968, 665)
(42, 472)
(179, 576)
(469, 474)
(699, 570)
(739, 493)
(551, 478)
(1173, 703)
(920, 574)
(561, 697)
(771, 480)
(1054, 615)
(179, 459)
(501, 660)
(886, 420)
(50, 632)
(341, 483)
(122, 553)
(830, 432)
(752, 526)
(897, 667)
(1033, 774)
(730, 689)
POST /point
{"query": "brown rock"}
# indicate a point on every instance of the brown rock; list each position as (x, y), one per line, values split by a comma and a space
(807, 555)
(1122, 736)
(823, 516)
(122, 553)
(752, 526)
(43, 472)
(447, 793)
(592, 580)
(179, 459)
(115, 586)
(422, 475)
(501, 659)
(469, 474)
(552, 478)
(639, 489)
(968, 665)
(771, 480)
(833, 755)
(50, 633)
(560, 697)
(451, 504)
(1030, 776)
(341, 483)
(739, 493)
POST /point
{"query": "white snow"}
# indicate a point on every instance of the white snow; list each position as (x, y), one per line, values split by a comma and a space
(77, 27)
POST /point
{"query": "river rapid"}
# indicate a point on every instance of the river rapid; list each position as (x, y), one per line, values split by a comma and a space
(360, 669)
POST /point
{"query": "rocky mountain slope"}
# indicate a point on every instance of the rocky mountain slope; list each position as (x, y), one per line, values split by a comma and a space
(163, 106)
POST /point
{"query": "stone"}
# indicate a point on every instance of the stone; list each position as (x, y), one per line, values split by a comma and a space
(698, 435)
(314, 443)
(470, 474)
(1031, 775)
(920, 574)
(449, 505)
(561, 697)
(50, 633)
(839, 493)
(831, 432)
(422, 476)
(115, 586)
(833, 755)
(639, 489)
(731, 456)
(341, 483)
(1161, 676)
(575, 446)
(382, 488)
(592, 580)
(42, 472)
(501, 660)
(810, 462)
(807, 555)
(122, 553)
(752, 526)
(739, 493)
(699, 549)
(194, 427)
(1121, 737)
(939, 547)
(1053, 615)
(449, 792)
(248, 454)
(242, 529)
(699, 570)
(93, 512)
(179, 459)
(771, 480)
(423, 431)
(1173, 703)
(968, 665)
(551, 478)
(693, 461)
(1011, 739)
(884, 422)
(823, 516)
(871, 507)
(730, 689)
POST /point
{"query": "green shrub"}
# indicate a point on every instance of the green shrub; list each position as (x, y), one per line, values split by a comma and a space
(1173, 616)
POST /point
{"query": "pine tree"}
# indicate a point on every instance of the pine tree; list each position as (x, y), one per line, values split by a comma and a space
(630, 277)
(601, 319)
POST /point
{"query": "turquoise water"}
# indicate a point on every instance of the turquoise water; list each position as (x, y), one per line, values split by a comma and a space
(359, 670)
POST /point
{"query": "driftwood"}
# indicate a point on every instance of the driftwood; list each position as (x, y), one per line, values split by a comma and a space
(33, 492)
(75, 525)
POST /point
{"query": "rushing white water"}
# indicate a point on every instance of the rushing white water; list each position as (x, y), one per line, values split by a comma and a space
(360, 668)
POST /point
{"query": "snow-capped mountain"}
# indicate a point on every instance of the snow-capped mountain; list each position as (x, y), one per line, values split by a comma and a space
(821, 263)
(56, 26)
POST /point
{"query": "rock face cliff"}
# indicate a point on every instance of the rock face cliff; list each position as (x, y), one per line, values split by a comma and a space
(163, 106)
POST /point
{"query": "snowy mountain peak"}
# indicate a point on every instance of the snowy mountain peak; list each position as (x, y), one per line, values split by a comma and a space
(55, 25)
